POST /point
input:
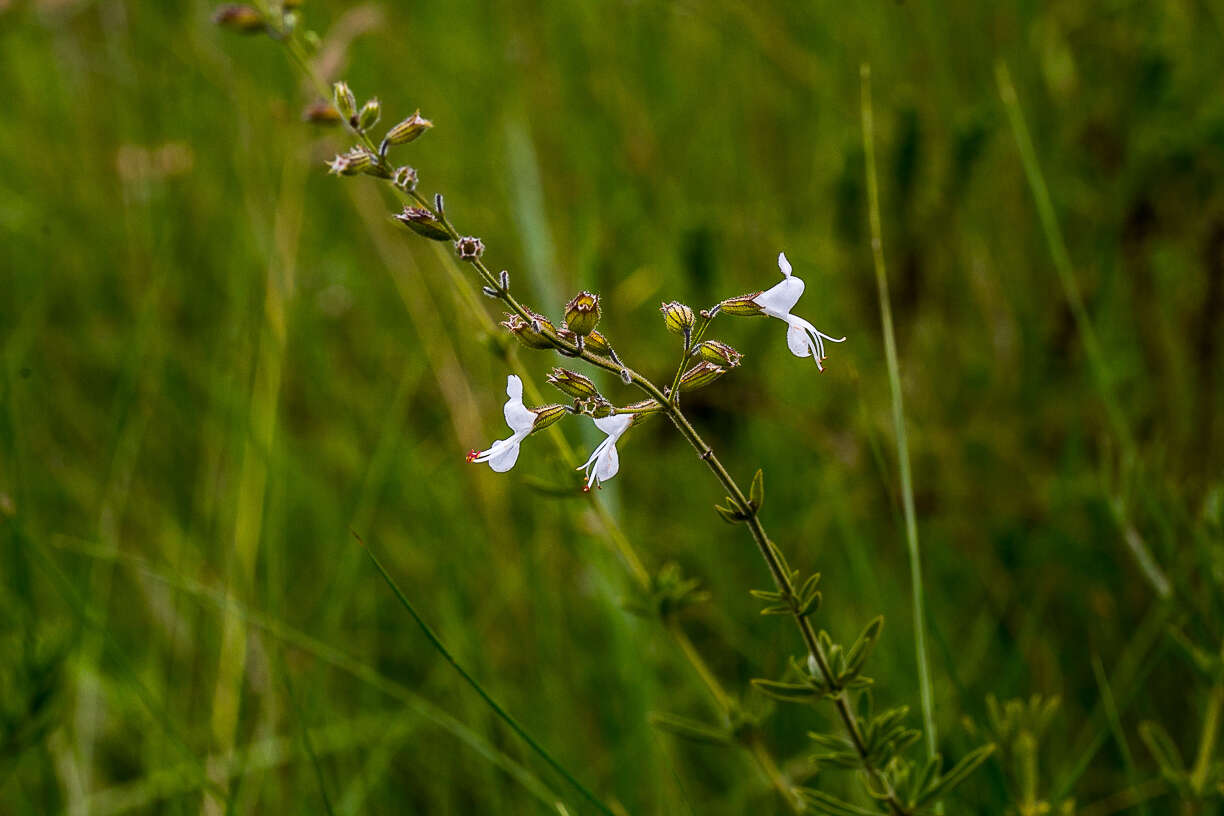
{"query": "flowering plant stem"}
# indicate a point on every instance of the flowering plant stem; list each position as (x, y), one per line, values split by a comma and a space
(670, 406)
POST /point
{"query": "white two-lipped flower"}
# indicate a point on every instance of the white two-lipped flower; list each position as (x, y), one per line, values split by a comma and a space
(604, 461)
(802, 337)
(503, 453)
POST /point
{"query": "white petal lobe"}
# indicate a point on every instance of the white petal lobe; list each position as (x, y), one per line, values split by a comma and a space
(784, 265)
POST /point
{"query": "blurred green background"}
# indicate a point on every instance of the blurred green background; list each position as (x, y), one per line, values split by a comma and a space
(218, 361)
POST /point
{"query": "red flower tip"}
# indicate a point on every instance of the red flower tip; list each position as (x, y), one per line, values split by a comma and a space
(471, 456)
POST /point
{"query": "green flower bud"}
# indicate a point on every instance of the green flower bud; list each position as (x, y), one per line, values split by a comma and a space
(547, 415)
(741, 306)
(529, 333)
(677, 317)
(718, 353)
(644, 408)
(369, 114)
(346, 103)
(572, 383)
(700, 375)
(407, 130)
(423, 223)
(598, 408)
(321, 113)
(596, 343)
(351, 163)
(582, 313)
(241, 18)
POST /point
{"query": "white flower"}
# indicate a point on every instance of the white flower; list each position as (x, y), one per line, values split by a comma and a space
(604, 461)
(802, 337)
(503, 453)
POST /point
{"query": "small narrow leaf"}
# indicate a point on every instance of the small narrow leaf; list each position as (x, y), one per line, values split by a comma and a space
(863, 646)
(809, 605)
(1163, 749)
(957, 774)
(766, 595)
(787, 692)
(728, 515)
(756, 494)
(822, 802)
(688, 729)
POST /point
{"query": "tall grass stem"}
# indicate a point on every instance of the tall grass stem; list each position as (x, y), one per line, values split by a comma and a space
(898, 412)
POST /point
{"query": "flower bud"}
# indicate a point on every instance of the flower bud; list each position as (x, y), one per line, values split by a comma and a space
(405, 178)
(644, 409)
(598, 408)
(423, 223)
(369, 114)
(547, 415)
(346, 103)
(351, 163)
(321, 113)
(527, 332)
(582, 313)
(677, 317)
(572, 383)
(241, 18)
(700, 375)
(407, 130)
(718, 353)
(469, 249)
(741, 306)
(598, 344)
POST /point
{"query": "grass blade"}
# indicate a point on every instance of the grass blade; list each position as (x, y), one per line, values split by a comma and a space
(471, 681)
(898, 411)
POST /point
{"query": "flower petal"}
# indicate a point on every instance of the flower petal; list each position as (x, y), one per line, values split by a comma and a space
(798, 341)
(614, 425)
(594, 455)
(784, 265)
(503, 454)
(781, 298)
(608, 464)
(520, 418)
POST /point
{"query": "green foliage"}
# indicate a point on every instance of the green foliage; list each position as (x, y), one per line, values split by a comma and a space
(215, 361)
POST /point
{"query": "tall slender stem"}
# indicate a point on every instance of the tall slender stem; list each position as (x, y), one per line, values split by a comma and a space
(898, 411)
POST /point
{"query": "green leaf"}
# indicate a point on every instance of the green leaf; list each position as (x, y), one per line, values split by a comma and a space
(787, 692)
(831, 805)
(692, 730)
(838, 759)
(728, 515)
(766, 595)
(756, 494)
(831, 742)
(1163, 749)
(862, 647)
(957, 774)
